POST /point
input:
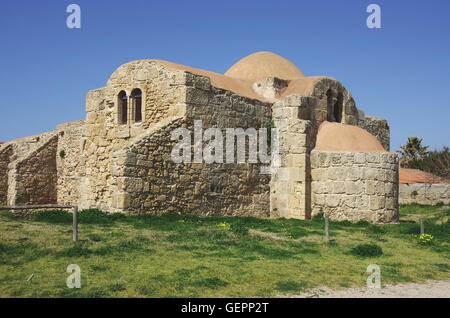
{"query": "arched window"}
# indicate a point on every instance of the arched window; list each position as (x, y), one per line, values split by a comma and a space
(136, 95)
(334, 106)
(123, 107)
(330, 104)
(338, 108)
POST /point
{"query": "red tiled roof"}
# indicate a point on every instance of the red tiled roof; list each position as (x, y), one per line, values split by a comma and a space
(418, 176)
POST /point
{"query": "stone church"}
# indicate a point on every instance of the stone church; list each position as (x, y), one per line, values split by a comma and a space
(332, 157)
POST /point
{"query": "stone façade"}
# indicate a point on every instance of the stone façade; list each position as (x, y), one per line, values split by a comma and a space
(118, 158)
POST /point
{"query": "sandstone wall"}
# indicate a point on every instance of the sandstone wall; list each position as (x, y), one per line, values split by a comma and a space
(6, 152)
(24, 146)
(326, 92)
(146, 180)
(32, 179)
(424, 193)
(290, 186)
(68, 158)
(377, 127)
(163, 94)
(169, 94)
(221, 108)
(355, 186)
(14, 155)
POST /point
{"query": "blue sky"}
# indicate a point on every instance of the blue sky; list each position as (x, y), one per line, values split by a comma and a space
(399, 72)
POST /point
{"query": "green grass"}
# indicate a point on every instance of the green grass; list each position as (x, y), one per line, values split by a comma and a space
(189, 256)
(367, 250)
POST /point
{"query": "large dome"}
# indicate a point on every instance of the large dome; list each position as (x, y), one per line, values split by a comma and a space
(258, 66)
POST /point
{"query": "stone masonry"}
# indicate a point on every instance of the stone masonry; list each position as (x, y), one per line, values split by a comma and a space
(424, 193)
(30, 172)
(355, 186)
(118, 158)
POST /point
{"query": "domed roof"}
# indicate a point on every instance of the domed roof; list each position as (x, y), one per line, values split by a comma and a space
(258, 66)
(346, 138)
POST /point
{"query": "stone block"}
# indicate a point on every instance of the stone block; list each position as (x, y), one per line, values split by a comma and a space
(197, 96)
(369, 173)
(318, 174)
(297, 160)
(353, 173)
(123, 200)
(338, 187)
(335, 173)
(333, 200)
(360, 158)
(373, 157)
(376, 202)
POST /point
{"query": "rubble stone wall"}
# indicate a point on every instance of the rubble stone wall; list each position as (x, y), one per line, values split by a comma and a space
(12, 156)
(68, 161)
(5, 157)
(33, 178)
(326, 92)
(103, 163)
(424, 193)
(169, 94)
(163, 95)
(355, 186)
(379, 128)
(148, 181)
(145, 179)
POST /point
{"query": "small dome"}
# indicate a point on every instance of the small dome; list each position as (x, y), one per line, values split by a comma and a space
(258, 66)
(346, 138)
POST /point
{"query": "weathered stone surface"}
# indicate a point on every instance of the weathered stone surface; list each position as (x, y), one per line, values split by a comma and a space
(354, 191)
(118, 163)
(6, 152)
(424, 193)
(32, 178)
(68, 161)
(377, 127)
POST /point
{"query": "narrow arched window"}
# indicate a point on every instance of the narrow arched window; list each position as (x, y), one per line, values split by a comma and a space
(338, 108)
(330, 105)
(123, 107)
(136, 95)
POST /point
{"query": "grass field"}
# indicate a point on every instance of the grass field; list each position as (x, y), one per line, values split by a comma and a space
(188, 256)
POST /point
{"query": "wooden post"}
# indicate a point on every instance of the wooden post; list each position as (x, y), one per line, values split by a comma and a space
(422, 227)
(50, 206)
(327, 228)
(75, 223)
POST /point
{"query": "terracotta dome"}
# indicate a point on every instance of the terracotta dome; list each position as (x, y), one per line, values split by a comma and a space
(346, 138)
(258, 66)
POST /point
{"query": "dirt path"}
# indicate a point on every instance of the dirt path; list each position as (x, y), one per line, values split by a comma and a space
(431, 289)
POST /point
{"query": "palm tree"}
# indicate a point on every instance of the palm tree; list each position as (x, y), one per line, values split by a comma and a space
(412, 151)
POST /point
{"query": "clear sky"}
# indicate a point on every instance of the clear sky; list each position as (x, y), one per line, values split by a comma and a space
(400, 72)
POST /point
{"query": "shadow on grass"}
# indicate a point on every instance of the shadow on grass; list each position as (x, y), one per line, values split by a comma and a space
(82, 249)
